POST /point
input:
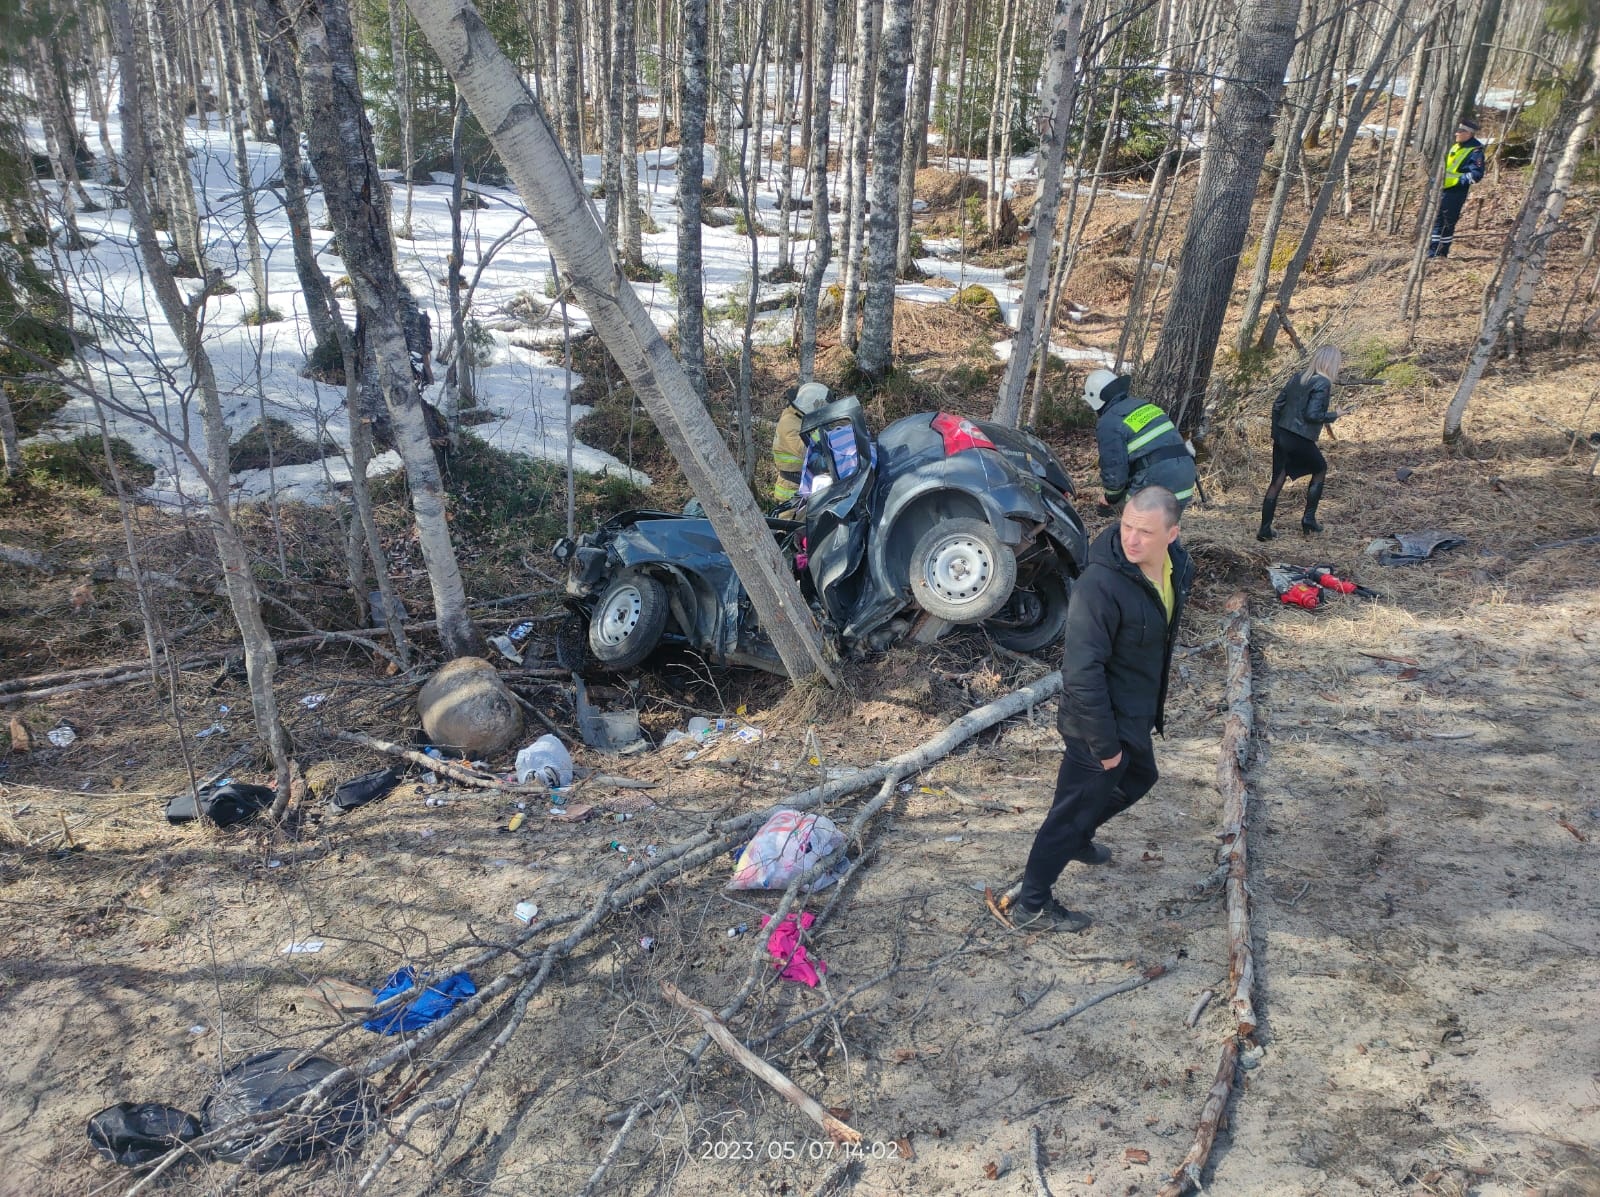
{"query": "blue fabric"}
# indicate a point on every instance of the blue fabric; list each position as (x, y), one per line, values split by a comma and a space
(433, 1003)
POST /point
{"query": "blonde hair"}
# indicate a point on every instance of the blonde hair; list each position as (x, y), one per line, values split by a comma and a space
(1326, 362)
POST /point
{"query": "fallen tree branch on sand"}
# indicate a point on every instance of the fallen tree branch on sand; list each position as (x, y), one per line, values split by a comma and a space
(838, 1131)
(455, 772)
(1128, 986)
(531, 956)
(1234, 754)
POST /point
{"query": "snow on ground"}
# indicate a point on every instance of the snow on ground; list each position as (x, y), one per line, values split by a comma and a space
(141, 368)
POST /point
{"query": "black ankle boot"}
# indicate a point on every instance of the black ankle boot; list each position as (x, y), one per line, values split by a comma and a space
(1269, 508)
(1308, 521)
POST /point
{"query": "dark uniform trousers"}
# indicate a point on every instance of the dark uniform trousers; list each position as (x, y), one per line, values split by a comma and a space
(1451, 201)
(1087, 795)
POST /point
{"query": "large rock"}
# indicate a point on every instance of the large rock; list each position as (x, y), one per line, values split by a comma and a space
(466, 706)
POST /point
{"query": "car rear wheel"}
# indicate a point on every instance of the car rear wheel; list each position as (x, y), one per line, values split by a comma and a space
(961, 571)
(628, 621)
(1033, 617)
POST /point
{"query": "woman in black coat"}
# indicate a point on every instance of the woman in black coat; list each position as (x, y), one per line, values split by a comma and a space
(1298, 414)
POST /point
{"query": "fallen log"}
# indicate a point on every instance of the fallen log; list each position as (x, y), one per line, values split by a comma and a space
(839, 1131)
(1187, 1174)
(458, 773)
(1234, 853)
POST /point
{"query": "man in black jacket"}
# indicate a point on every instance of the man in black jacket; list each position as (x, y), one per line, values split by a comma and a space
(1120, 631)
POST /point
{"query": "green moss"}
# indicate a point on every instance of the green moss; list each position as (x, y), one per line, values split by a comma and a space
(979, 300)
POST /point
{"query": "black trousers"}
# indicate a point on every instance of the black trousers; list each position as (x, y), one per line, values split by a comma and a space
(1087, 795)
(1451, 200)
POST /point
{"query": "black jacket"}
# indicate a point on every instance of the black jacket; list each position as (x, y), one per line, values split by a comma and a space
(1119, 648)
(1302, 407)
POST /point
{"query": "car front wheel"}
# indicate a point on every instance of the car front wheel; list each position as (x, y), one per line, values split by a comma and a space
(628, 621)
(962, 571)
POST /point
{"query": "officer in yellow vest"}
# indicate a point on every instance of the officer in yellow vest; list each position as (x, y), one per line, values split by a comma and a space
(788, 450)
(1139, 446)
(1463, 166)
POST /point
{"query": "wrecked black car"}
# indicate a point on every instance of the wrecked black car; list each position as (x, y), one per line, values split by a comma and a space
(939, 521)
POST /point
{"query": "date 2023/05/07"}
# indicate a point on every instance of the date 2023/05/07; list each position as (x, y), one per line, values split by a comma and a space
(787, 1149)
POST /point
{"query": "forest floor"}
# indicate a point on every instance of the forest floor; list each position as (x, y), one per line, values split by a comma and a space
(1424, 815)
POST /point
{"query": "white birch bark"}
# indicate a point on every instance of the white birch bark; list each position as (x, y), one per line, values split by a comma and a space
(691, 196)
(1057, 105)
(875, 355)
(827, 38)
(869, 16)
(555, 199)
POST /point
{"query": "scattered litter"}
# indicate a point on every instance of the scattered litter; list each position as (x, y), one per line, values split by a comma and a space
(700, 727)
(652, 851)
(369, 787)
(274, 864)
(434, 800)
(301, 947)
(616, 846)
(572, 814)
(952, 839)
(435, 1001)
(426, 833)
(905, 787)
(673, 737)
(64, 736)
(198, 1029)
(1251, 1057)
(225, 803)
(1408, 548)
(271, 1081)
(526, 912)
(134, 1134)
(607, 731)
(786, 950)
(748, 735)
(312, 701)
(735, 932)
(223, 708)
(517, 820)
(647, 942)
(547, 761)
(214, 729)
(691, 754)
(509, 644)
(500, 862)
(788, 844)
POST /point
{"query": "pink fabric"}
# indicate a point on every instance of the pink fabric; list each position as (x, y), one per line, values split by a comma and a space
(787, 951)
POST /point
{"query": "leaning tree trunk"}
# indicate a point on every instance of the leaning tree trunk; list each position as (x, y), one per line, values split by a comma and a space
(691, 197)
(358, 203)
(1060, 89)
(875, 355)
(555, 200)
(1180, 368)
(260, 659)
(827, 39)
(1360, 105)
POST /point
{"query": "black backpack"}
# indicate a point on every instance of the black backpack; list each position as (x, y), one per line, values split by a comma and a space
(134, 1134)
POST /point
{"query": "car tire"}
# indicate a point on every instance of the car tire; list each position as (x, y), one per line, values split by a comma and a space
(961, 571)
(1033, 618)
(628, 621)
(572, 644)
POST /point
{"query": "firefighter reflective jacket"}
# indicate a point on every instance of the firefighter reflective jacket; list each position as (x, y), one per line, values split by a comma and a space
(788, 454)
(1139, 447)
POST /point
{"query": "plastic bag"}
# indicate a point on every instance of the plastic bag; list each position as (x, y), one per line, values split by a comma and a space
(546, 760)
(133, 1134)
(265, 1082)
(787, 845)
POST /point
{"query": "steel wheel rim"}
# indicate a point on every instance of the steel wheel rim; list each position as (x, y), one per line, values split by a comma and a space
(616, 621)
(960, 570)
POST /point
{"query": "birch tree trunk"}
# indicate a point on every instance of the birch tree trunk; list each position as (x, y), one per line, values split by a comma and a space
(184, 318)
(569, 98)
(358, 203)
(1588, 86)
(630, 214)
(1060, 90)
(1180, 368)
(555, 200)
(10, 450)
(869, 19)
(237, 118)
(827, 39)
(1360, 105)
(915, 148)
(1478, 56)
(401, 58)
(282, 78)
(691, 197)
(727, 58)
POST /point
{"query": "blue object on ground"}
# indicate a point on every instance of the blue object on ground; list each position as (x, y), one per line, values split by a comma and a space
(435, 1000)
